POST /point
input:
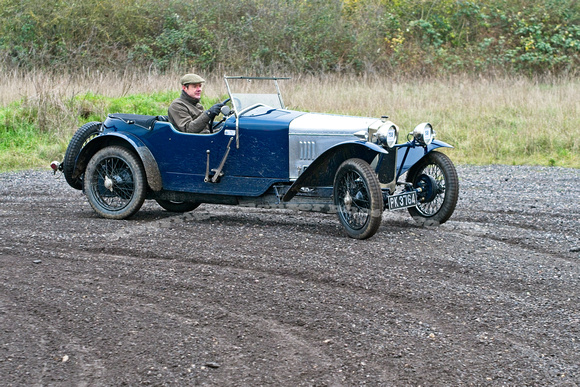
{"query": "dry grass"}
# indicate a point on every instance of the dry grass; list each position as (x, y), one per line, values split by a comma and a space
(506, 120)
(514, 121)
(15, 85)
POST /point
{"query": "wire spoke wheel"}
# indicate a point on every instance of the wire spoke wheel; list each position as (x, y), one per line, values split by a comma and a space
(114, 183)
(358, 198)
(115, 187)
(354, 200)
(430, 208)
(435, 174)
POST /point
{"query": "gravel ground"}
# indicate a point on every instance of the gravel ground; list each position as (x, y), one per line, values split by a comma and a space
(229, 296)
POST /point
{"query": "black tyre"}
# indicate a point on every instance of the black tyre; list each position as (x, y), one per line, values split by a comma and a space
(81, 137)
(358, 198)
(115, 183)
(436, 175)
(172, 206)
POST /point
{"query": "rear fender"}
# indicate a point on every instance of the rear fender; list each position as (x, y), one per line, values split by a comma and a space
(128, 141)
(415, 154)
(320, 172)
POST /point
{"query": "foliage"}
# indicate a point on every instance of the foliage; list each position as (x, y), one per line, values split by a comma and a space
(505, 121)
(416, 37)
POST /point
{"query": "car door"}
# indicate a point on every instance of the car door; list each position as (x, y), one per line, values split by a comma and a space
(248, 170)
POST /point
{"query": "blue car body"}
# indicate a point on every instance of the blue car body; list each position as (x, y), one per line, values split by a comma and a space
(260, 154)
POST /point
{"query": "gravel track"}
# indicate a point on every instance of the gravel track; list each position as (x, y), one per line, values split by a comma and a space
(246, 297)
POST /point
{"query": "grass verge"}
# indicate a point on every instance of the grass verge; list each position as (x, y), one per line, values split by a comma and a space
(488, 121)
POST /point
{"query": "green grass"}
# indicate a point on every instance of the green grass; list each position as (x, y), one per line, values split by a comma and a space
(25, 147)
(25, 144)
(501, 121)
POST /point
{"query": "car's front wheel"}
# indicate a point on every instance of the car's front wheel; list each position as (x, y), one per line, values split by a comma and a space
(173, 206)
(115, 183)
(435, 174)
(358, 198)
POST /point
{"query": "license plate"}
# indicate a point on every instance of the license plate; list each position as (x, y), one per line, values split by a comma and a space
(404, 200)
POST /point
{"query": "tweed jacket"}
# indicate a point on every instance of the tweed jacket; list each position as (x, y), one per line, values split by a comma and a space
(187, 115)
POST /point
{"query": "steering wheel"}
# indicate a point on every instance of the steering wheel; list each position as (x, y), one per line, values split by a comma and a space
(225, 115)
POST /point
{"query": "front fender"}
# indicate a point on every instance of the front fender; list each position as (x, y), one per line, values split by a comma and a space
(320, 172)
(415, 153)
(128, 141)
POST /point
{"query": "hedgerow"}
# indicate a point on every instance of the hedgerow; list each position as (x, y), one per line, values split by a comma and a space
(417, 37)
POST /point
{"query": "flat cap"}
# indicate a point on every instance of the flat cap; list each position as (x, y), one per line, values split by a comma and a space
(191, 78)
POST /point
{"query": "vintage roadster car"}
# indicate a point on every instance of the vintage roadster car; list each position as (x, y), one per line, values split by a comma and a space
(261, 154)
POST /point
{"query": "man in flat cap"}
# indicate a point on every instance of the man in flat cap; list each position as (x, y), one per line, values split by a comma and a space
(186, 113)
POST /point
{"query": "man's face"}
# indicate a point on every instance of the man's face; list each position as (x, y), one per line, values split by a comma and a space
(193, 90)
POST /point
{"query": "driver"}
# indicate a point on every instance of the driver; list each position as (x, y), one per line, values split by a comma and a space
(186, 113)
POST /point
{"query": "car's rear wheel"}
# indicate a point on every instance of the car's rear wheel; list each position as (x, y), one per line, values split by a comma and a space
(173, 206)
(115, 183)
(81, 137)
(358, 198)
(437, 177)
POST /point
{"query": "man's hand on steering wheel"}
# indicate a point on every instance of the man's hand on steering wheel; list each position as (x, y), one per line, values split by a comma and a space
(213, 112)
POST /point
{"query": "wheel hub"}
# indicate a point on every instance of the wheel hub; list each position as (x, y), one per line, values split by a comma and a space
(347, 201)
(108, 183)
(429, 188)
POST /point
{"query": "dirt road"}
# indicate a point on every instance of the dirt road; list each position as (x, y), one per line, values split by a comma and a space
(228, 296)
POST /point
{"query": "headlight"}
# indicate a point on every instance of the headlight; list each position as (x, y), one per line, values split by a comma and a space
(423, 133)
(385, 133)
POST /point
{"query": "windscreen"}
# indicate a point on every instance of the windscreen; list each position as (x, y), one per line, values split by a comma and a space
(242, 101)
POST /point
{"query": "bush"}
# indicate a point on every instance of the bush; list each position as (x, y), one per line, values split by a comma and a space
(415, 37)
